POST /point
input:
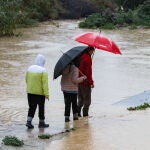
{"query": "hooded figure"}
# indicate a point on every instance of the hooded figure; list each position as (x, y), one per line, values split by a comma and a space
(37, 90)
(40, 60)
(37, 78)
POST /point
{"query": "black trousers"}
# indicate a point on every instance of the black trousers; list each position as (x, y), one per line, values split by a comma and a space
(33, 102)
(70, 98)
(84, 99)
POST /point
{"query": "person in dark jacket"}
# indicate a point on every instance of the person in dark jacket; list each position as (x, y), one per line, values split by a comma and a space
(84, 88)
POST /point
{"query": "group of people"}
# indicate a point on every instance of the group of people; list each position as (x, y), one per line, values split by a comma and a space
(76, 85)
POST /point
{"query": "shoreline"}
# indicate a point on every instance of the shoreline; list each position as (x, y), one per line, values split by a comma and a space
(30, 136)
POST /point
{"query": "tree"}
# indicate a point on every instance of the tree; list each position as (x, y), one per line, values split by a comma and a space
(10, 16)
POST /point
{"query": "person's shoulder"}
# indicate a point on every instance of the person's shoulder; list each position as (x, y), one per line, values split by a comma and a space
(44, 70)
(31, 67)
(74, 68)
(85, 57)
(36, 69)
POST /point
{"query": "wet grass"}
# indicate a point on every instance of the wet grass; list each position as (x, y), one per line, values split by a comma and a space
(69, 130)
(48, 136)
(44, 136)
(12, 141)
(140, 107)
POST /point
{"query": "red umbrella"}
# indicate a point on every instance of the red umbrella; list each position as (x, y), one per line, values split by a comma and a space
(98, 41)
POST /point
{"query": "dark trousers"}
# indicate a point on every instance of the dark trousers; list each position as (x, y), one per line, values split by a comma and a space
(33, 101)
(84, 99)
(70, 98)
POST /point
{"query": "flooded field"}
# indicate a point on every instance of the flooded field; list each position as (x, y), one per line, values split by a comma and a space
(116, 77)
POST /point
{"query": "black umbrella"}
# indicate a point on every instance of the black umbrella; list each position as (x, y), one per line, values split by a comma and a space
(67, 58)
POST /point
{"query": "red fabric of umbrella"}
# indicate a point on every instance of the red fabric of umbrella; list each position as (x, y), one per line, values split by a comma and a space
(98, 41)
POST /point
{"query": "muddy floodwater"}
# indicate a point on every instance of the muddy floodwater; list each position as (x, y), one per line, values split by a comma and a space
(116, 77)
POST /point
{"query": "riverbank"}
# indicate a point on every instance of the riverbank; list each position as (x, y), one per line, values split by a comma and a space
(116, 77)
(109, 128)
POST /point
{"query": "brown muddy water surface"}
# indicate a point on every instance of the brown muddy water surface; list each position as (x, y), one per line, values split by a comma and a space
(116, 77)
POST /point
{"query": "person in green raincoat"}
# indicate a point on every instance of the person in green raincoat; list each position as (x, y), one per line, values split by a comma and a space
(37, 91)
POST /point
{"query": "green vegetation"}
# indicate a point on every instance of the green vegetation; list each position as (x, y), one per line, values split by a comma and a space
(107, 14)
(71, 129)
(97, 20)
(111, 20)
(129, 4)
(141, 107)
(48, 136)
(10, 16)
(42, 10)
(13, 141)
(24, 13)
(44, 136)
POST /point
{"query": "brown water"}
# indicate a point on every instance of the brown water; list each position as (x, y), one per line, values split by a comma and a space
(116, 77)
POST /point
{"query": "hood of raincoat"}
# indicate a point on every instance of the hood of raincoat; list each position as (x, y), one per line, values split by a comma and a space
(40, 60)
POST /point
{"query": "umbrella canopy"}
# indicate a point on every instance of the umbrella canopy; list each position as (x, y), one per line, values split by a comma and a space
(67, 58)
(98, 41)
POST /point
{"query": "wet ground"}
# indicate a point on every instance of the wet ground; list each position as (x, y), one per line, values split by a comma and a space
(109, 127)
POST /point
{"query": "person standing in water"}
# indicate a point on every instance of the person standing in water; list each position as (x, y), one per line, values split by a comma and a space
(37, 91)
(84, 88)
(69, 86)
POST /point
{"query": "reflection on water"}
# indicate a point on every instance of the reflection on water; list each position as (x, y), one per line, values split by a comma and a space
(76, 140)
(116, 77)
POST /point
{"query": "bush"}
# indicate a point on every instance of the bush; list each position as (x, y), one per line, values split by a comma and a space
(109, 20)
(13, 141)
(144, 11)
(132, 27)
(143, 14)
(11, 16)
(119, 18)
(109, 26)
(93, 21)
(22, 13)
(42, 9)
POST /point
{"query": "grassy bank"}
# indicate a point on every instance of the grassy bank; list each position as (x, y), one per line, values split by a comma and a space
(21, 13)
(112, 20)
(101, 14)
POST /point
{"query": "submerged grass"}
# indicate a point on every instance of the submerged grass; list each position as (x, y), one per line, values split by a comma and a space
(71, 129)
(44, 136)
(140, 107)
(48, 136)
(13, 141)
